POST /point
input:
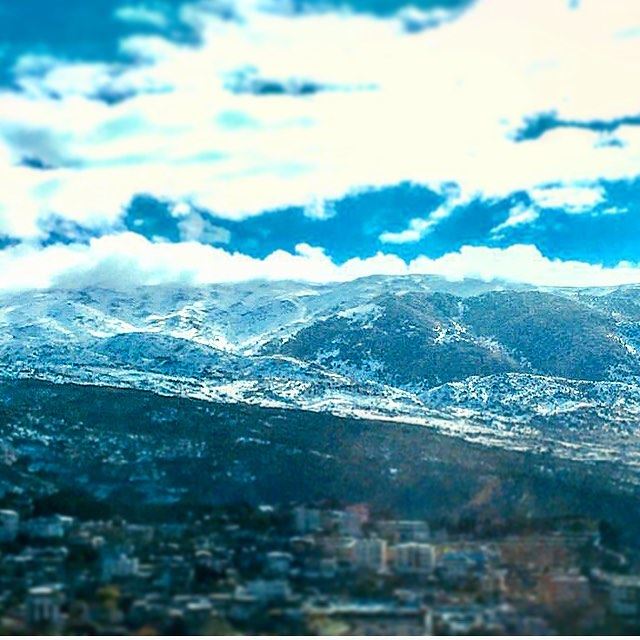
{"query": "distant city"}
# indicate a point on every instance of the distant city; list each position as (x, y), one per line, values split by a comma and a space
(162, 471)
(311, 569)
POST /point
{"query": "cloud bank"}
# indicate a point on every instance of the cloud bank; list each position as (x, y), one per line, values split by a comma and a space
(128, 260)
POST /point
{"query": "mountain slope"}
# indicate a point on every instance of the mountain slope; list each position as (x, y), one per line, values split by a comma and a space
(134, 449)
(554, 334)
(507, 366)
(400, 339)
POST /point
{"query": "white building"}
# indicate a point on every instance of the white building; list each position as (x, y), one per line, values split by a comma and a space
(414, 557)
(455, 566)
(43, 606)
(349, 523)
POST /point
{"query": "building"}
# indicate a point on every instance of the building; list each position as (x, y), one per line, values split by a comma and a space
(398, 531)
(414, 557)
(369, 553)
(457, 620)
(49, 528)
(349, 523)
(307, 520)
(360, 511)
(118, 565)
(43, 606)
(372, 618)
(460, 565)
(278, 563)
(564, 591)
(9, 525)
(624, 595)
(266, 590)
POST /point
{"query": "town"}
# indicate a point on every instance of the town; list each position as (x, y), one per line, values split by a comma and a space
(311, 569)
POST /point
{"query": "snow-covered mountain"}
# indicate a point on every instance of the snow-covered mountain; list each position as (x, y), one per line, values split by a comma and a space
(512, 366)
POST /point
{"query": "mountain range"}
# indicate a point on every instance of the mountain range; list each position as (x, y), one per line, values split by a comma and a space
(516, 367)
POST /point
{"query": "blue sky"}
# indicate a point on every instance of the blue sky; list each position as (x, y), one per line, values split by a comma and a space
(199, 141)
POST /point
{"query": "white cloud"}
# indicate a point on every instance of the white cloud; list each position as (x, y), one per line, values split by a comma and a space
(518, 216)
(141, 14)
(445, 103)
(318, 209)
(127, 260)
(418, 228)
(526, 264)
(574, 199)
(42, 75)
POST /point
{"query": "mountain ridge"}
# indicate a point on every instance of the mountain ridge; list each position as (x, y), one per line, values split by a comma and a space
(507, 366)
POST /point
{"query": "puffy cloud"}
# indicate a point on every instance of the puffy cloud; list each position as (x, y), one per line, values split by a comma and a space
(575, 199)
(44, 76)
(417, 228)
(526, 264)
(128, 260)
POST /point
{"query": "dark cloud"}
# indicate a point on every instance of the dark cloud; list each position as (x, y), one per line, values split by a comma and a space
(536, 126)
(6, 242)
(34, 162)
(250, 82)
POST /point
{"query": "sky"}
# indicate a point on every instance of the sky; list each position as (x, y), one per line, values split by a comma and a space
(203, 141)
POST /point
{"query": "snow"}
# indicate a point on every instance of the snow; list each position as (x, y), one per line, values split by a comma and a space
(64, 336)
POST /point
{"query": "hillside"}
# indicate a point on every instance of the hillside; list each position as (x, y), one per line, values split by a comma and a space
(132, 449)
(545, 370)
